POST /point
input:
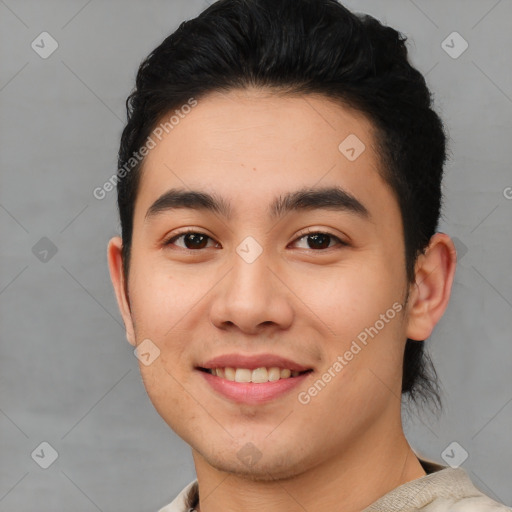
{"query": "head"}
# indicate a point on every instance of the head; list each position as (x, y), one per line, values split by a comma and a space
(316, 138)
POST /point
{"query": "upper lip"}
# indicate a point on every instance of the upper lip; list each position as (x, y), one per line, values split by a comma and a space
(252, 362)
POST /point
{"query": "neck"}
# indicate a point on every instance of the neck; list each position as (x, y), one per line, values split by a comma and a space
(351, 480)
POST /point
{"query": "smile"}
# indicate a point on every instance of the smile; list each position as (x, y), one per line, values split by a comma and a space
(245, 391)
(258, 375)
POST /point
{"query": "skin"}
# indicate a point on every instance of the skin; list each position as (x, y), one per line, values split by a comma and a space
(346, 447)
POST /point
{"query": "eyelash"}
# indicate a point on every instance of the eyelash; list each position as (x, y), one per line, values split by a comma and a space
(301, 235)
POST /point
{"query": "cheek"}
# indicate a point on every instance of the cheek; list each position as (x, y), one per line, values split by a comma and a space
(164, 388)
(174, 396)
(361, 312)
(160, 300)
(160, 308)
(349, 297)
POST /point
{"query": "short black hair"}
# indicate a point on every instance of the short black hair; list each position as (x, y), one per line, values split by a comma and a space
(304, 47)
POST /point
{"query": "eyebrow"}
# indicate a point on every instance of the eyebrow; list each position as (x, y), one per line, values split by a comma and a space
(305, 199)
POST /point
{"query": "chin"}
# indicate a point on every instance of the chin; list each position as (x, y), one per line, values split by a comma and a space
(256, 465)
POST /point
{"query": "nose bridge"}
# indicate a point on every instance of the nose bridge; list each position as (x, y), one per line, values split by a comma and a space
(250, 280)
(250, 295)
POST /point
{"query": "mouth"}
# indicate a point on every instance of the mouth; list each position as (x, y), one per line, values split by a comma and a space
(252, 378)
(252, 386)
(259, 375)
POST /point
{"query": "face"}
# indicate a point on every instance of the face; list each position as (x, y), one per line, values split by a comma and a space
(315, 285)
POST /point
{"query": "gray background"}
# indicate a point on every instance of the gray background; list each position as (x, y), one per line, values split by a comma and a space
(68, 377)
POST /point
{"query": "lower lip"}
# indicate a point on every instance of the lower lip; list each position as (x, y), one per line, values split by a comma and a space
(250, 392)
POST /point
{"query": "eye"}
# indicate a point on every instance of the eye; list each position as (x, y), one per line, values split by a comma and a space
(192, 240)
(319, 240)
(195, 240)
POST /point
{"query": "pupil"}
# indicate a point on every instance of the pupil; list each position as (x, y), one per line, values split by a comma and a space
(196, 240)
(318, 239)
(315, 241)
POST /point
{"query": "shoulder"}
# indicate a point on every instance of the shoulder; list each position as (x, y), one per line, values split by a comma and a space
(477, 503)
(444, 490)
(453, 490)
(182, 502)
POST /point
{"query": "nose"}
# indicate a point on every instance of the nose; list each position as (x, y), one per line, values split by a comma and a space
(252, 298)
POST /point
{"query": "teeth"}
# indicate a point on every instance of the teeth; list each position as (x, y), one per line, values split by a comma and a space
(243, 375)
(229, 373)
(274, 374)
(258, 375)
(285, 373)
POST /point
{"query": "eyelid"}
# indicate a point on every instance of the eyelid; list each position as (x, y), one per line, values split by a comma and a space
(167, 241)
(311, 231)
(301, 234)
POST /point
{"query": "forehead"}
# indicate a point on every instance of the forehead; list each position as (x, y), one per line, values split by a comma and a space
(250, 145)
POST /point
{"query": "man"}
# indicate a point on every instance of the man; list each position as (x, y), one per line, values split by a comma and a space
(279, 265)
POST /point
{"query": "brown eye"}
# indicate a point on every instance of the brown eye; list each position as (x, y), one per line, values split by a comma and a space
(319, 240)
(191, 240)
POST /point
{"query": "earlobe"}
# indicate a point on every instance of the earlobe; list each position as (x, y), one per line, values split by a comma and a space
(429, 296)
(115, 265)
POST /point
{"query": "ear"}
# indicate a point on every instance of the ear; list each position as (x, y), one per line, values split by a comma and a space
(429, 295)
(115, 265)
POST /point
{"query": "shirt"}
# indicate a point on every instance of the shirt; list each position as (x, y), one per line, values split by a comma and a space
(442, 489)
